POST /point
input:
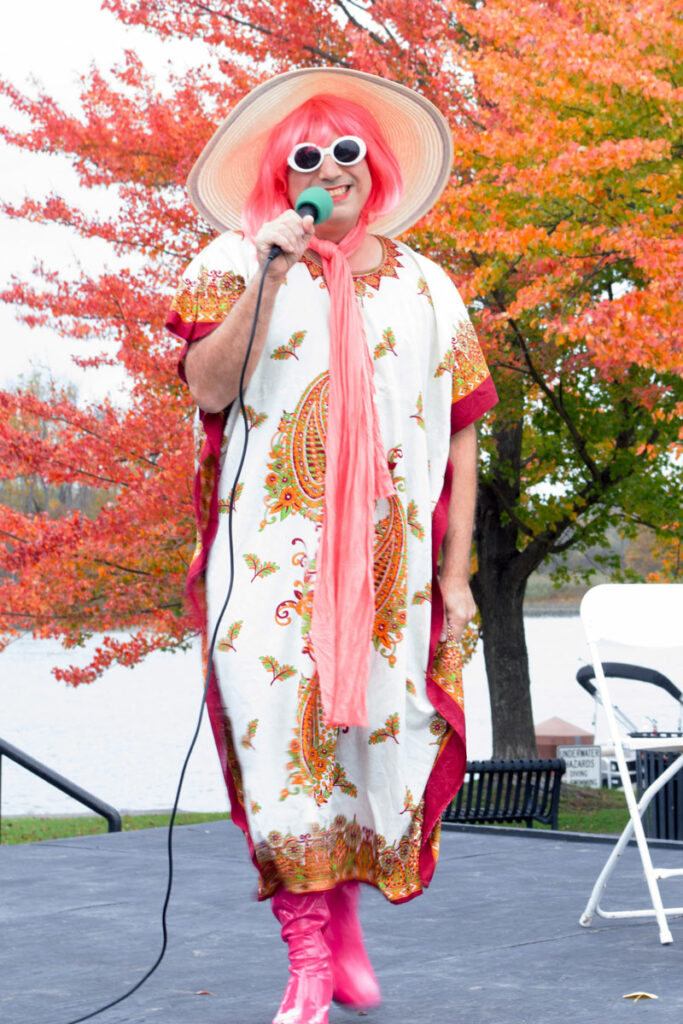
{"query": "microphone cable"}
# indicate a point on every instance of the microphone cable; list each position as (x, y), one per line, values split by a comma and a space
(275, 251)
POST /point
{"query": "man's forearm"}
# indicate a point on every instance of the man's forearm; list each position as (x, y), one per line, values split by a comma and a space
(458, 540)
(213, 366)
(454, 577)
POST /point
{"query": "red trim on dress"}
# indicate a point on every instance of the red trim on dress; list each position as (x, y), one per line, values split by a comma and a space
(448, 772)
(187, 332)
(468, 409)
(206, 528)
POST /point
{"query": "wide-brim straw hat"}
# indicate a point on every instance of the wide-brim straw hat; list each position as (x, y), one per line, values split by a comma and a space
(417, 133)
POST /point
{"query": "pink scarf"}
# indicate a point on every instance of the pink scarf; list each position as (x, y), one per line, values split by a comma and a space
(356, 474)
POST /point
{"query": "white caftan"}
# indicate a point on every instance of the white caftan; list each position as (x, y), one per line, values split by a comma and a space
(321, 805)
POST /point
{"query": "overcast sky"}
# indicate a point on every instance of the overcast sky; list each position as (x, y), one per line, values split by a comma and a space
(55, 41)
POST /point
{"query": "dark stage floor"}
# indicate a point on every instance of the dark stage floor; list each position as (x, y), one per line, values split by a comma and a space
(495, 940)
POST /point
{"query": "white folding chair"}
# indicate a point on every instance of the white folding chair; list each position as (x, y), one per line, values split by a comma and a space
(634, 615)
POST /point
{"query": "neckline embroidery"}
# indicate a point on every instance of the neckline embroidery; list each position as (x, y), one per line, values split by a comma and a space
(388, 266)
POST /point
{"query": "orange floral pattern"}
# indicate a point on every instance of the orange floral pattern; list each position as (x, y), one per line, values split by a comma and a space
(423, 289)
(209, 298)
(439, 728)
(447, 671)
(465, 361)
(364, 284)
(301, 603)
(296, 477)
(418, 415)
(320, 858)
(390, 571)
(312, 767)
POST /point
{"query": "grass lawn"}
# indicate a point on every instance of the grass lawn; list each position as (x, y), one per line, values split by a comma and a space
(33, 830)
(581, 810)
(592, 810)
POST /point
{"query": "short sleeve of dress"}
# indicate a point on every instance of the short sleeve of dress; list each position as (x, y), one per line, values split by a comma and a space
(473, 390)
(458, 352)
(208, 289)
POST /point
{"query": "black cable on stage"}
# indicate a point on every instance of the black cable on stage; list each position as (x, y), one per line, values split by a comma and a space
(275, 251)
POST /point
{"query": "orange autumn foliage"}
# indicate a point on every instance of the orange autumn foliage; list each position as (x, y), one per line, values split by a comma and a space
(561, 225)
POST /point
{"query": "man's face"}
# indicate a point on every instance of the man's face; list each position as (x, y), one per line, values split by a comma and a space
(349, 188)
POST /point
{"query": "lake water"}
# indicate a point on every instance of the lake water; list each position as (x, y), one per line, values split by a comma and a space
(124, 737)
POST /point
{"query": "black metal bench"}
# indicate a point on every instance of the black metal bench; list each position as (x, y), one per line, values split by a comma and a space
(509, 792)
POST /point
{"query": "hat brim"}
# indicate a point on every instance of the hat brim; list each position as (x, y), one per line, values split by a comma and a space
(415, 130)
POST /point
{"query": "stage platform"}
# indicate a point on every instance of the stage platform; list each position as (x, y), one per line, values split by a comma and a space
(495, 940)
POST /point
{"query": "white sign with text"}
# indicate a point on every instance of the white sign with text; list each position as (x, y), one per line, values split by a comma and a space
(583, 765)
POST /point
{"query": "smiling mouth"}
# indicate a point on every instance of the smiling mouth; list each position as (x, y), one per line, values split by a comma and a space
(339, 191)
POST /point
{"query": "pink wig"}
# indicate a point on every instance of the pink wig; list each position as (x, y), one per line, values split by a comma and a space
(315, 121)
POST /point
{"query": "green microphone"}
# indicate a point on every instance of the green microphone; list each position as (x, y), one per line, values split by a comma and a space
(315, 202)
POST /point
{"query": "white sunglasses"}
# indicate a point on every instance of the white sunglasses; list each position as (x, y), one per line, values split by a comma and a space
(346, 151)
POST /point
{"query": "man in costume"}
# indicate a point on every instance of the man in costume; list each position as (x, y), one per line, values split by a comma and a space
(336, 693)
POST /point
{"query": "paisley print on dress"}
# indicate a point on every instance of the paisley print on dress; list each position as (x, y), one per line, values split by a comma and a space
(447, 671)
(390, 580)
(296, 477)
(313, 768)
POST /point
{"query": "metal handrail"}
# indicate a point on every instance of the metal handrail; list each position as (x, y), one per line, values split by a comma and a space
(105, 810)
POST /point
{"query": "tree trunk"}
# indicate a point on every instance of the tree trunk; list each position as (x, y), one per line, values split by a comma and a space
(498, 586)
(507, 670)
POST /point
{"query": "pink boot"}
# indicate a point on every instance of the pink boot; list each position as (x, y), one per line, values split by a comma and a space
(355, 983)
(309, 990)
